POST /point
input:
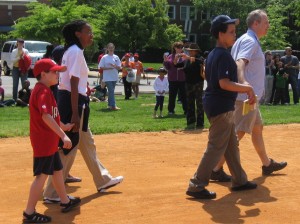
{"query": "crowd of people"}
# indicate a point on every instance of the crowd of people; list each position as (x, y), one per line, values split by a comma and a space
(59, 124)
(281, 71)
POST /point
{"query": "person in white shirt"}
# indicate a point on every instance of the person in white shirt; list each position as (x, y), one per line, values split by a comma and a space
(110, 64)
(73, 106)
(16, 55)
(161, 86)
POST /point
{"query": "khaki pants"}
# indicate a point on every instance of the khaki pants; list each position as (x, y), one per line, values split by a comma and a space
(88, 150)
(222, 140)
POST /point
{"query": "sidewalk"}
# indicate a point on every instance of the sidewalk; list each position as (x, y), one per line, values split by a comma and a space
(146, 85)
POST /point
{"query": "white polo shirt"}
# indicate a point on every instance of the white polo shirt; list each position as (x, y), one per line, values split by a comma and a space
(76, 66)
(248, 47)
(106, 62)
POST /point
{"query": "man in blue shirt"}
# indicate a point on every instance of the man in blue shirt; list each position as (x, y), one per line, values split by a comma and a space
(218, 103)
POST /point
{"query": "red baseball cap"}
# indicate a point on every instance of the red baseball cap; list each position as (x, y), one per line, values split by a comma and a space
(47, 65)
(127, 55)
(136, 55)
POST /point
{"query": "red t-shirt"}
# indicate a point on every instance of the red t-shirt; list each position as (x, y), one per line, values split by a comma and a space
(44, 141)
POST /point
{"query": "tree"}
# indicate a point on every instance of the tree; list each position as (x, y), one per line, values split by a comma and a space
(137, 24)
(233, 8)
(277, 33)
(46, 22)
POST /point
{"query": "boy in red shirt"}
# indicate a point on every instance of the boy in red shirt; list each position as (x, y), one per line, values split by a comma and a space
(45, 132)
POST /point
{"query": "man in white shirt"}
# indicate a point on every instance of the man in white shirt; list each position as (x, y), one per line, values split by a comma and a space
(16, 55)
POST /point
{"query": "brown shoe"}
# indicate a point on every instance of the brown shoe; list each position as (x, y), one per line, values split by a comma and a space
(115, 108)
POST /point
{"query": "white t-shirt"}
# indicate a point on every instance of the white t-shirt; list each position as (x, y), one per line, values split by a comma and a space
(161, 85)
(106, 62)
(76, 66)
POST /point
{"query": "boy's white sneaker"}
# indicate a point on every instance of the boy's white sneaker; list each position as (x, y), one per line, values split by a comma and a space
(113, 182)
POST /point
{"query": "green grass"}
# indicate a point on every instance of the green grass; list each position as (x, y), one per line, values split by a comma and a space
(134, 116)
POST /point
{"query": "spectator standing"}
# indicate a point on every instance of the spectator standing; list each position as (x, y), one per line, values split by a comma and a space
(269, 78)
(193, 69)
(127, 66)
(281, 79)
(218, 100)
(73, 106)
(49, 50)
(186, 44)
(291, 64)
(16, 55)
(138, 65)
(161, 87)
(176, 77)
(57, 55)
(110, 64)
(101, 70)
(276, 59)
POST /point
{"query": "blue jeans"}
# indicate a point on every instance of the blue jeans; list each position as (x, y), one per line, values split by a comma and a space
(16, 74)
(111, 93)
(293, 79)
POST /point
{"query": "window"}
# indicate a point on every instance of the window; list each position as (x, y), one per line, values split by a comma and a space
(171, 12)
(188, 13)
(205, 15)
(192, 37)
(8, 47)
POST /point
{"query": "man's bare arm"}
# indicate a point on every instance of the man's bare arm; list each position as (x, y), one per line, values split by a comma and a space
(241, 65)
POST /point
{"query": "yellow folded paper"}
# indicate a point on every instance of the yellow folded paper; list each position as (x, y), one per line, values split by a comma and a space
(248, 107)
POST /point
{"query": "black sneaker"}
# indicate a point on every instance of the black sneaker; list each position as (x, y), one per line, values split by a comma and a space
(204, 194)
(247, 186)
(36, 218)
(274, 166)
(220, 176)
(74, 202)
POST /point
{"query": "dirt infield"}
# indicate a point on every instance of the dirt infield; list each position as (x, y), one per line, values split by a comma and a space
(157, 168)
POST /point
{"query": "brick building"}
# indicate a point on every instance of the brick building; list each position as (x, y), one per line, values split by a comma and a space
(10, 11)
(194, 22)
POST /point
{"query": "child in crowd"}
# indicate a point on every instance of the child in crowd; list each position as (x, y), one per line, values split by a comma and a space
(101, 92)
(3, 102)
(281, 79)
(45, 131)
(90, 93)
(24, 95)
(161, 86)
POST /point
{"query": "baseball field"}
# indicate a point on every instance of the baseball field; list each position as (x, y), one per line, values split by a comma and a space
(156, 167)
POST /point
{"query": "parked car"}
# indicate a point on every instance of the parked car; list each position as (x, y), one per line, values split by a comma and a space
(35, 48)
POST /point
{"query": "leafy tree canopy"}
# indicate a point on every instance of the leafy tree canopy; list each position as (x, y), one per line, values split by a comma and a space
(46, 22)
(136, 24)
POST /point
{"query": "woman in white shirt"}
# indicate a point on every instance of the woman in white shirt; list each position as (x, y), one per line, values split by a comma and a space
(73, 106)
(110, 64)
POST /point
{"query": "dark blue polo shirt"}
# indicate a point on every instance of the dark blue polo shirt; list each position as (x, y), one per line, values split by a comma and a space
(219, 65)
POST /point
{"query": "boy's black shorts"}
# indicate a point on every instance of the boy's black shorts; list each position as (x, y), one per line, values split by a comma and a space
(47, 165)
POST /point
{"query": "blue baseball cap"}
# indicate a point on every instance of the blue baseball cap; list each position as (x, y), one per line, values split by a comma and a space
(222, 19)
